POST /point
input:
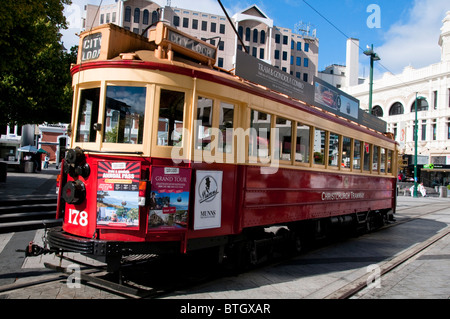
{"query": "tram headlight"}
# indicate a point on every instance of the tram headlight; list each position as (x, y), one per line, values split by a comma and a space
(74, 192)
(75, 156)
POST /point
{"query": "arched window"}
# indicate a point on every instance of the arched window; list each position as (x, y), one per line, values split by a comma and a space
(377, 111)
(422, 105)
(263, 37)
(155, 16)
(137, 13)
(255, 35)
(247, 34)
(145, 17)
(241, 31)
(128, 14)
(396, 109)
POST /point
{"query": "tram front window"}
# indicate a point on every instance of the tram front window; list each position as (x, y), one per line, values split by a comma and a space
(124, 118)
(87, 115)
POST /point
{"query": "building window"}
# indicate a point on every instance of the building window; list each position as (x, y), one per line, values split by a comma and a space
(305, 77)
(299, 46)
(292, 60)
(306, 47)
(113, 17)
(254, 51)
(102, 18)
(277, 38)
(297, 75)
(127, 14)
(448, 128)
(221, 45)
(261, 53)
(194, 24)
(185, 22)
(284, 56)
(305, 62)
(435, 96)
(277, 54)
(204, 25)
(263, 37)
(433, 130)
(377, 111)
(137, 13)
(220, 63)
(222, 28)
(285, 39)
(176, 21)
(145, 17)
(298, 61)
(241, 31)
(213, 27)
(422, 105)
(255, 35)
(424, 130)
(396, 109)
(247, 34)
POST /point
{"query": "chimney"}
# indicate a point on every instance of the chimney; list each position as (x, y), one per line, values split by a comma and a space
(352, 62)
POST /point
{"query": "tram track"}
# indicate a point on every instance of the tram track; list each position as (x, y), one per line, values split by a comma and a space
(132, 286)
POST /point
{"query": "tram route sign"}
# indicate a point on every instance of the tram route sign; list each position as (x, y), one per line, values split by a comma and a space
(91, 46)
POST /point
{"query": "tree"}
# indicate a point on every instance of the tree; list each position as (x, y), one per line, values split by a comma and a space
(35, 80)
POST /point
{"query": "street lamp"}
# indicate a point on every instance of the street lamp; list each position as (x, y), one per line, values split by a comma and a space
(373, 57)
(416, 129)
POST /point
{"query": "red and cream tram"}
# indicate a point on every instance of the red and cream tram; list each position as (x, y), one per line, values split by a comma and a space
(170, 155)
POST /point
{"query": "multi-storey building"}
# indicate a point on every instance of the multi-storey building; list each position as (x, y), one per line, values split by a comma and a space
(294, 53)
(394, 100)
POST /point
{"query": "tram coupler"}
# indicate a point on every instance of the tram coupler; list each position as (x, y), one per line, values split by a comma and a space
(33, 250)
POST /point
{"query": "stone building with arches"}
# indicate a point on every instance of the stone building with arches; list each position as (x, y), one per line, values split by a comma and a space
(393, 100)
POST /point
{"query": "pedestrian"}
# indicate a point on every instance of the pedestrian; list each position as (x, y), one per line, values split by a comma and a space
(46, 160)
(422, 190)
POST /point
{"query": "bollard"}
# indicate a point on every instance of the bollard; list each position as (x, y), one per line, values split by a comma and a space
(442, 191)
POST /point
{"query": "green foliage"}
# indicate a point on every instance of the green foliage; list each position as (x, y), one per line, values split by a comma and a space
(35, 80)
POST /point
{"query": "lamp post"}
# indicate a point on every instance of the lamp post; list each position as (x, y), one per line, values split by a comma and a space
(416, 129)
(373, 57)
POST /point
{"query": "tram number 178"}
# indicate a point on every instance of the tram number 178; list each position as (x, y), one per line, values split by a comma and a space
(77, 218)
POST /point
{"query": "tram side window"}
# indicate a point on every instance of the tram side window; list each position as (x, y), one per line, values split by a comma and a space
(226, 127)
(389, 161)
(283, 147)
(346, 152)
(333, 150)
(357, 154)
(375, 158)
(259, 134)
(367, 156)
(124, 118)
(319, 146)
(302, 145)
(383, 160)
(170, 124)
(88, 115)
(204, 124)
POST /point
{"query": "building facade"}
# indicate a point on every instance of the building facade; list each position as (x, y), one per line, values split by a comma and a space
(294, 53)
(394, 98)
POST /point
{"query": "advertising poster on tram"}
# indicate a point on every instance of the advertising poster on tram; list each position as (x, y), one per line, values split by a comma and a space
(117, 194)
(208, 200)
(169, 198)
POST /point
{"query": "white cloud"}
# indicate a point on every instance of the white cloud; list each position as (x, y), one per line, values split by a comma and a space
(414, 42)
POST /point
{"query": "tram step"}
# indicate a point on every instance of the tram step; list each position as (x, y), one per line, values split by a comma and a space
(6, 210)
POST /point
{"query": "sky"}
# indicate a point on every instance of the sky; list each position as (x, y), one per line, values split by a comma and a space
(403, 32)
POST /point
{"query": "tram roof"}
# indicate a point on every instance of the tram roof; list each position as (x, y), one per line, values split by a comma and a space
(117, 45)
